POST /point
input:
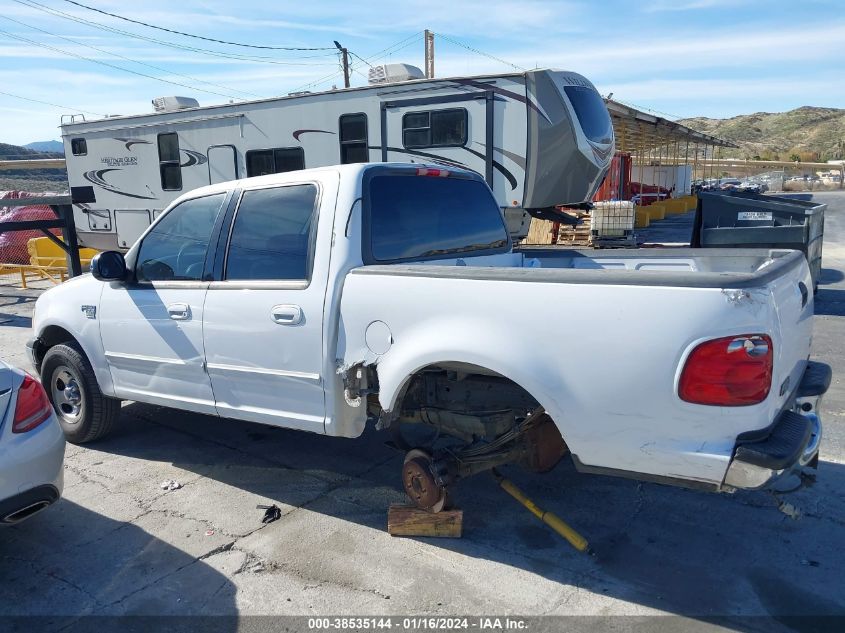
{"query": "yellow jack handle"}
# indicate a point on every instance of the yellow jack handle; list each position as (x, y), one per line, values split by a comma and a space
(552, 520)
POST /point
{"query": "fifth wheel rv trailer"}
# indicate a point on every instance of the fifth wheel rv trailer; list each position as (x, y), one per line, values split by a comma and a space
(540, 138)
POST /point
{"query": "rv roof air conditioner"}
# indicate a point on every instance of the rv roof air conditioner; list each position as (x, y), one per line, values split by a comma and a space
(391, 73)
(171, 104)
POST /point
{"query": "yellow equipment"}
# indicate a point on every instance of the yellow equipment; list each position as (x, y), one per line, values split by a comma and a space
(552, 520)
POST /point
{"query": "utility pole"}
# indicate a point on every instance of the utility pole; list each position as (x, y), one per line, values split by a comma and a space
(429, 54)
(345, 55)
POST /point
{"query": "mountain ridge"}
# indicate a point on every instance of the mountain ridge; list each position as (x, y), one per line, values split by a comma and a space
(807, 133)
(34, 180)
(46, 146)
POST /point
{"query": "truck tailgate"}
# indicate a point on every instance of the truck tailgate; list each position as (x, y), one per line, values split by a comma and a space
(792, 300)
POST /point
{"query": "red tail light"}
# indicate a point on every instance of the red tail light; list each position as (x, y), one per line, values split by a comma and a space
(32, 408)
(728, 372)
(429, 171)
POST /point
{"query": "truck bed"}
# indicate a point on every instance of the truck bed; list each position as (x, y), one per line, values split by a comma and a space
(597, 337)
(679, 267)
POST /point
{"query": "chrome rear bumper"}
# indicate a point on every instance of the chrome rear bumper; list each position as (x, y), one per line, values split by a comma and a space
(789, 446)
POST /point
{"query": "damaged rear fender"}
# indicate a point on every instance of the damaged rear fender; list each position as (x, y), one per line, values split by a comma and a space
(543, 383)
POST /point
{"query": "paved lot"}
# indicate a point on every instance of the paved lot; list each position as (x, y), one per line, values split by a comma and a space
(118, 544)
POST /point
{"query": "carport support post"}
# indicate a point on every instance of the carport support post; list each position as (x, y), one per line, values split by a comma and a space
(695, 163)
(642, 159)
(65, 212)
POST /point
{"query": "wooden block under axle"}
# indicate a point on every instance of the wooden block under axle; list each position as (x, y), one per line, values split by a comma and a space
(405, 520)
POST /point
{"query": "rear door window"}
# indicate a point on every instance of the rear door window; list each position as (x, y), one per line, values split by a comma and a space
(273, 234)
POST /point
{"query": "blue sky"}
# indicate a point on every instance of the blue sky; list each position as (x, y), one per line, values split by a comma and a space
(677, 57)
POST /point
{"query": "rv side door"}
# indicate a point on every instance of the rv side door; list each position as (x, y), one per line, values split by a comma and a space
(222, 164)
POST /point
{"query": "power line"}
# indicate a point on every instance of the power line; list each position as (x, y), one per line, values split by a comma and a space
(199, 37)
(184, 47)
(55, 105)
(478, 52)
(317, 82)
(639, 107)
(102, 63)
(361, 58)
(390, 50)
(159, 68)
(387, 51)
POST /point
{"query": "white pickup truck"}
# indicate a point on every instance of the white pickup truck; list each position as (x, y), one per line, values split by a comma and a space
(326, 298)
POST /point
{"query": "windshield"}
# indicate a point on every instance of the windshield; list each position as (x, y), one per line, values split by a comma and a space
(591, 112)
(414, 217)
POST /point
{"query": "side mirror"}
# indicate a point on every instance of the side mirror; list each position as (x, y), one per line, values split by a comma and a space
(108, 266)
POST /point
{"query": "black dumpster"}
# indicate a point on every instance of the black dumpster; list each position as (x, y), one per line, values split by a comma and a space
(751, 220)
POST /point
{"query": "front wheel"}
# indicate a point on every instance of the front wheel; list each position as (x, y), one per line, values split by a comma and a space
(84, 413)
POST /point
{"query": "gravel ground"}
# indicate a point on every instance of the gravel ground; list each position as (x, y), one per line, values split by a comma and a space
(119, 544)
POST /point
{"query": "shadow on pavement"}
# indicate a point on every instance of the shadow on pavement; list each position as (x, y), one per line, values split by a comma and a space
(69, 561)
(16, 307)
(830, 301)
(831, 276)
(683, 552)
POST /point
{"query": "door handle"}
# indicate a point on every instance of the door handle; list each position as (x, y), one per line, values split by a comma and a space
(286, 314)
(179, 311)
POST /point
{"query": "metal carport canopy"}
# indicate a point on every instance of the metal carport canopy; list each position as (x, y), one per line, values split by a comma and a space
(638, 131)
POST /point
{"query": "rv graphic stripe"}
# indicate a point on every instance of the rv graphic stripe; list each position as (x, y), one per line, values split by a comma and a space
(95, 176)
(129, 142)
(505, 93)
(297, 133)
(194, 158)
(446, 161)
(496, 165)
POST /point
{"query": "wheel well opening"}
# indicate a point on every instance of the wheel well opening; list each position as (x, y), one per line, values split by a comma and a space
(51, 336)
(469, 400)
(468, 419)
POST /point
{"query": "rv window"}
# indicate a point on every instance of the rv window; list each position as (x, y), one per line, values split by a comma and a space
(171, 176)
(591, 112)
(289, 159)
(436, 128)
(78, 146)
(273, 234)
(353, 139)
(259, 163)
(168, 158)
(175, 248)
(274, 161)
(168, 147)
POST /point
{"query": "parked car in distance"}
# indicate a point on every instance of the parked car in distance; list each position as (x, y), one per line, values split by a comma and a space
(752, 187)
(728, 184)
(392, 293)
(32, 447)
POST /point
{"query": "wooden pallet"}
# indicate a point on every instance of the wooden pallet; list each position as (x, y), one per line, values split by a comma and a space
(542, 232)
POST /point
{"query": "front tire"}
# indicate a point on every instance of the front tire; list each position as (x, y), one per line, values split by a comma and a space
(84, 413)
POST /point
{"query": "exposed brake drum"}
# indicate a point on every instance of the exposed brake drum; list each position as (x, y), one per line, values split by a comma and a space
(419, 482)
